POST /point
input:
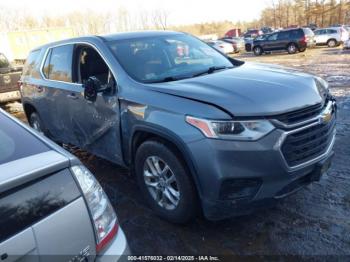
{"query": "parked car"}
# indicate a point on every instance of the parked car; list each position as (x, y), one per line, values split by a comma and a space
(238, 43)
(333, 36)
(248, 42)
(291, 40)
(51, 207)
(313, 27)
(252, 33)
(267, 30)
(205, 132)
(235, 32)
(9, 76)
(224, 47)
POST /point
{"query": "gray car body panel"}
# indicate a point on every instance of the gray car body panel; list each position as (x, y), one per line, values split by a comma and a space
(246, 91)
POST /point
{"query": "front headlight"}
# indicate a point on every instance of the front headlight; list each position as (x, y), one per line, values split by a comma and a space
(250, 130)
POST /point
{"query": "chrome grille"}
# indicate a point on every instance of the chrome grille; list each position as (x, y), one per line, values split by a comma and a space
(308, 143)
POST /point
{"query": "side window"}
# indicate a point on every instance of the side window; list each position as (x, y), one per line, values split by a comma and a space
(283, 35)
(46, 69)
(89, 63)
(31, 67)
(331, 31)
(4, 63)
(272, 37)
(58, 64)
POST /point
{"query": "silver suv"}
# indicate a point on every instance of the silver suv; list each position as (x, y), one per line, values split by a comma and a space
(332, 36)
(51, 207)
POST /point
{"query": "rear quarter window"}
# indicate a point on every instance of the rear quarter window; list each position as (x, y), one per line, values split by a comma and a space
(308, 32)
(31, 67)
(16, 142)
(332, 31)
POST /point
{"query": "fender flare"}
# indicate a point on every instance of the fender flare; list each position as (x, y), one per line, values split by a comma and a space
(170, 136)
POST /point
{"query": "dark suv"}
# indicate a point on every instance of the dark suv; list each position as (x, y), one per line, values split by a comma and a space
(197, 128)
(290, 40)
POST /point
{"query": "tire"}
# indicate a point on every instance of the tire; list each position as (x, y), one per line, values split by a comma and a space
(184, 207)
(248, 47)
(258, 50)
(332, 43)
(36, 123)
(292, 48)
(302, 50)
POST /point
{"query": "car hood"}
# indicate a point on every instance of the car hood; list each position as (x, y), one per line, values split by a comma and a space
(249, 90)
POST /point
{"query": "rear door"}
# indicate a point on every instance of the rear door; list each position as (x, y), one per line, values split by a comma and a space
(56, 92)
(283, 39)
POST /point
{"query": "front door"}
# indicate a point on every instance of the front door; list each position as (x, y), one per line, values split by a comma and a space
(95, 124)
(270, 42)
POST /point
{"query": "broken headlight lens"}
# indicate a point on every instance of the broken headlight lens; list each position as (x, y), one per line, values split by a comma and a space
(232, 130)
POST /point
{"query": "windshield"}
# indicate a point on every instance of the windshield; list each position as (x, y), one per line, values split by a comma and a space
(161, 58)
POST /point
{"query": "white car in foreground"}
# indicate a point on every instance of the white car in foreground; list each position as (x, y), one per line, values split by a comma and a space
(223, 47)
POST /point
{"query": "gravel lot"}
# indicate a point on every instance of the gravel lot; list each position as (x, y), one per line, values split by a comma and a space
(314, 221)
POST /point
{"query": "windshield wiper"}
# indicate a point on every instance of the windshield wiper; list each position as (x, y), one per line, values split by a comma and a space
(166, 79)
(211, 70)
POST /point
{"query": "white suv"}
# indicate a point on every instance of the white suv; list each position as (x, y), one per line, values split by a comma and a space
(332, 36)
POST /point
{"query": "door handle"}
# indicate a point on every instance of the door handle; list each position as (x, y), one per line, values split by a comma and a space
(73, 96)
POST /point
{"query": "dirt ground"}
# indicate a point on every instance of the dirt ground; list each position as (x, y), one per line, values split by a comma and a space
(314, 221)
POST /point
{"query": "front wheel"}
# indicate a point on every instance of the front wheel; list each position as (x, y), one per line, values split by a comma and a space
(165, 182)
(292, 48)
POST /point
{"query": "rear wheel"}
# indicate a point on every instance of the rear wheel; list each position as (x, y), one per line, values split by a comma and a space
(36, 123)
(258, 50)
(292, 48)
(332, 43)
(164, 181)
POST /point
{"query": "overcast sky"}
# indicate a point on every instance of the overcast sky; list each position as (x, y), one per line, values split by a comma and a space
(180, 11)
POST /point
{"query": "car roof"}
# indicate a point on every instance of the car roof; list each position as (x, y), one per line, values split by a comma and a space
(138, 34)
(33, 166)
(111, 37)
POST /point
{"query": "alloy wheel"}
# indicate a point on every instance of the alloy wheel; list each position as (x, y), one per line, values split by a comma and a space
(161, 182)
(292, 49)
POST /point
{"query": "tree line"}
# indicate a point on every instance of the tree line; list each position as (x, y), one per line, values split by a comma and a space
(278, 14)
(285, 13)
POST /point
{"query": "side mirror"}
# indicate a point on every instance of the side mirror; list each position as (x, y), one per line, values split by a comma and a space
(91, 88)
